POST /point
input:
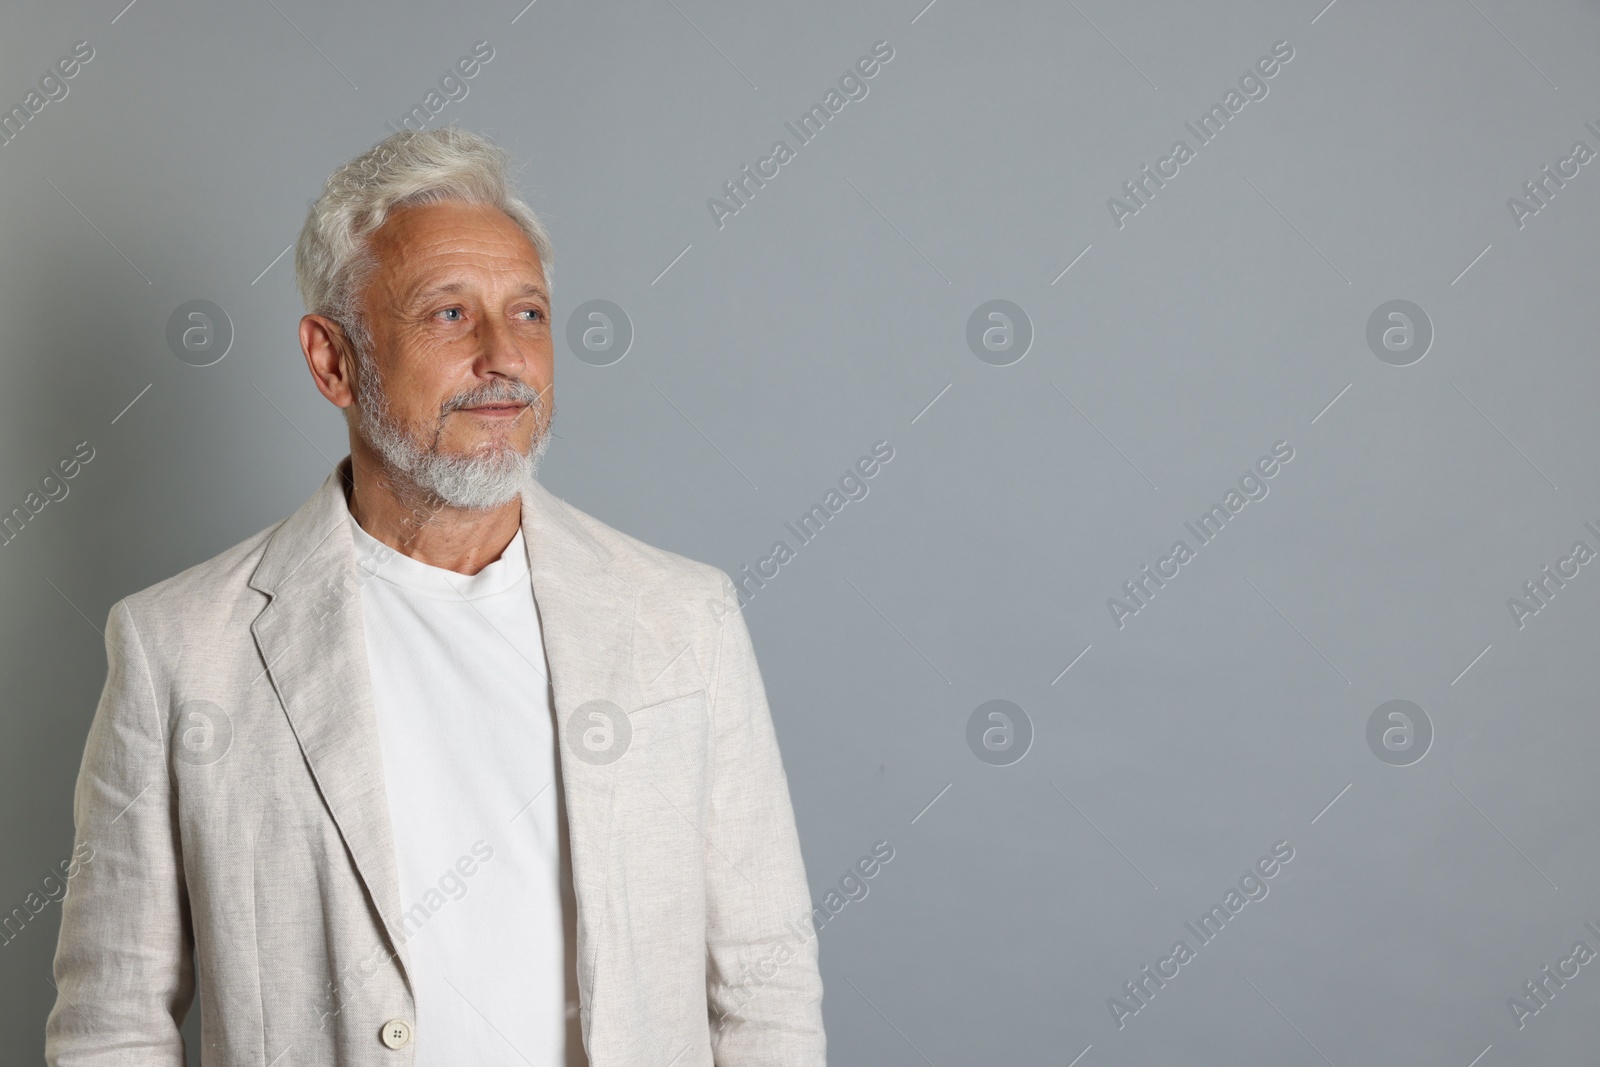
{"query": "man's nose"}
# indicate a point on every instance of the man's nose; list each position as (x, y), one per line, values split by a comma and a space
(498, 349)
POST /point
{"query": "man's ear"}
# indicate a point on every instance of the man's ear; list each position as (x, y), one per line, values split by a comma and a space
(330, 357)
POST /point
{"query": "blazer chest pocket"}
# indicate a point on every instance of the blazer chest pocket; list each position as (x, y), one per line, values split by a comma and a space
(679, 725)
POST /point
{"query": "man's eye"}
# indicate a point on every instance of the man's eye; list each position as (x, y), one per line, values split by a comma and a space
(451, 311)
(533, 311)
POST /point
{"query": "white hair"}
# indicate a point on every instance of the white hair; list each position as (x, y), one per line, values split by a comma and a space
(333, 261)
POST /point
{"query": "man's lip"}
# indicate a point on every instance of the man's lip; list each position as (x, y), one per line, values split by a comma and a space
(496, 409)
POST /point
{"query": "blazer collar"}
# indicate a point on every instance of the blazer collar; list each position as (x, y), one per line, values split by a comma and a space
(312, 641)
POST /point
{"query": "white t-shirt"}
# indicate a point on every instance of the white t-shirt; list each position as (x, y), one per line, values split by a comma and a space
(466, 726)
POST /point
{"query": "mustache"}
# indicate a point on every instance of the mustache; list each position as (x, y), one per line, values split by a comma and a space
(503, 391)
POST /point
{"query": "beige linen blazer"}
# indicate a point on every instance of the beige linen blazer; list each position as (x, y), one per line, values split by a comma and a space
(232, 789)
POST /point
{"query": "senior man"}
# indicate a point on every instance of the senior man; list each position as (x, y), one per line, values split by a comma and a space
(439, 770)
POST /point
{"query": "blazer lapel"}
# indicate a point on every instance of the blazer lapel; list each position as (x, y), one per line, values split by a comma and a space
(586, 614)
(314, 645)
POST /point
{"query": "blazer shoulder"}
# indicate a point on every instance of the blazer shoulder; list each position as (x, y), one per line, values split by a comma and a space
(645, 564)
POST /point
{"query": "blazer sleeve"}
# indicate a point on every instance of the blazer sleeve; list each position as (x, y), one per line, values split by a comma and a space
(123, 964)
(764, 991)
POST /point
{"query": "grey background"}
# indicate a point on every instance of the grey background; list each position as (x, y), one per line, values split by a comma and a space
(827, 315)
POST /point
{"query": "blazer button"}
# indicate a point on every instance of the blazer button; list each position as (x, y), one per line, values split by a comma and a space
(397, 1033)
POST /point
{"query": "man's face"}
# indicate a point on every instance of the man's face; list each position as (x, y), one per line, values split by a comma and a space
(455, 392)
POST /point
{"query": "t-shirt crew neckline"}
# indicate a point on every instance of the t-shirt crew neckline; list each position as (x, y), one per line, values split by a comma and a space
(378, 560)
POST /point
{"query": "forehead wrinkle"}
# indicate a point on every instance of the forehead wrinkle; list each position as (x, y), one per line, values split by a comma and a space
(423, 253)
(423, 291)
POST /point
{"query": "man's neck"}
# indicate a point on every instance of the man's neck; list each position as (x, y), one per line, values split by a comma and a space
(423, 527)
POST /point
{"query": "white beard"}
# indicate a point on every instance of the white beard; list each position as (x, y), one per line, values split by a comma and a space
(477, 482)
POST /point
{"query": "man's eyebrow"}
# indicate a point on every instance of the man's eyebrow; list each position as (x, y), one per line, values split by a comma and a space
(445, 288)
